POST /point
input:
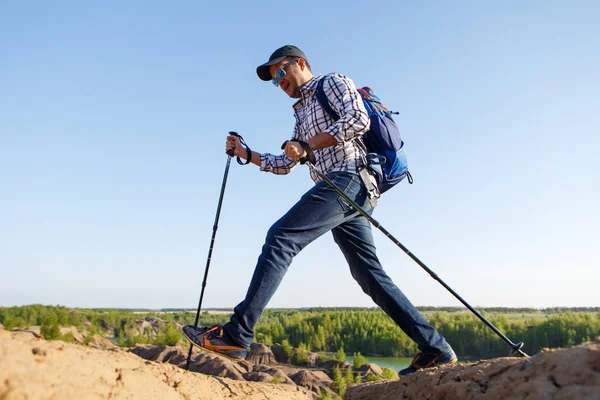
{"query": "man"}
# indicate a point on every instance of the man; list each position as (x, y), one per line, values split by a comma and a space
(321, 209)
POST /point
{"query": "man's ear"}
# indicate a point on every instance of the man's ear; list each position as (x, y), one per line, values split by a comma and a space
(301, 63)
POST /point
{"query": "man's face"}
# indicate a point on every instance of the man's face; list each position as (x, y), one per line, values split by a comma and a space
(293, 79)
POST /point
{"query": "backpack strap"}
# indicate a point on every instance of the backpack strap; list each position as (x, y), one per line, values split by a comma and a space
(324, 100)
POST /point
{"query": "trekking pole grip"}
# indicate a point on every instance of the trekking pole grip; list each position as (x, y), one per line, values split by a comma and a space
(310, 154)
(243, 143)
(230, 151)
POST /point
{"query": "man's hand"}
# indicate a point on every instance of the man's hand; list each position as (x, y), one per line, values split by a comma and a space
(233, 142)
(294, 151)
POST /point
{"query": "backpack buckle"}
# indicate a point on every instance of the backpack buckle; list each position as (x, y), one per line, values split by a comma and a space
(365, 176)
(376, 159)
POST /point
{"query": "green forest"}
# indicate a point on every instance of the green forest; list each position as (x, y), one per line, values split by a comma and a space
(365, 330)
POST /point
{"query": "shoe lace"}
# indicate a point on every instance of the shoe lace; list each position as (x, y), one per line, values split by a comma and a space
(212, 331)
(429, 364)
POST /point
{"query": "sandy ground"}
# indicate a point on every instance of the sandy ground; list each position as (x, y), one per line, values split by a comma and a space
(32, 368)
(559, 374)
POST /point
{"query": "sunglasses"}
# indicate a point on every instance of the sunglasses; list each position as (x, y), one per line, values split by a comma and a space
(280, 74)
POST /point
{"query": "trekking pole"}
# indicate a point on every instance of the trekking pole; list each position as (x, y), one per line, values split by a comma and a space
(212, 242)
(516, 347)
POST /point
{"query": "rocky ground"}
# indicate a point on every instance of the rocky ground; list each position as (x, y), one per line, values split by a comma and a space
(560, 374)
(33, 368)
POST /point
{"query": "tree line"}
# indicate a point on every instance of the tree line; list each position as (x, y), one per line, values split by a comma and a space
(367, 331)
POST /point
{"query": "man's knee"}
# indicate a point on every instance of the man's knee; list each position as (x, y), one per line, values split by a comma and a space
(281, 239)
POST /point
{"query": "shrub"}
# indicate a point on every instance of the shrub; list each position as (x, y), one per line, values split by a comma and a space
(389, 373)
(169, 336)
(359, 360)
(302, 355)
(49, 328)
(349, 376)
(324, 395)
(339, 383)
(67, 337)
(88, 339)
(287, 349)
(340, 355)
(322, 357)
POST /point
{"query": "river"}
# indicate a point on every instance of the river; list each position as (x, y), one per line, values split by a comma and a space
(395, 363)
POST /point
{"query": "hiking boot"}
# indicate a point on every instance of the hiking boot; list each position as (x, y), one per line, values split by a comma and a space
(429, 360)
(215, 339)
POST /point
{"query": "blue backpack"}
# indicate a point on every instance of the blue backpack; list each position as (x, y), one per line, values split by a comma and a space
(382, 141)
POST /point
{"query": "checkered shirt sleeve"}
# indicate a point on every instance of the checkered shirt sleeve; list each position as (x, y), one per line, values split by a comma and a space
(312, 119)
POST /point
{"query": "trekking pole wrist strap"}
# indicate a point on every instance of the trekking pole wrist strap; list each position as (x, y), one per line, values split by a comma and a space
(310, 154)
(243, 143)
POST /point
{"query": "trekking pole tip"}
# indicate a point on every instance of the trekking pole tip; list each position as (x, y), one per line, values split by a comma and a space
(517, 350)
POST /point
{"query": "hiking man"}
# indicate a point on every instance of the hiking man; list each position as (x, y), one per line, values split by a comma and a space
(320, 210)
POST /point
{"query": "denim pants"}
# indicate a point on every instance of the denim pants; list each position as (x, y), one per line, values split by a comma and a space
(321, 210)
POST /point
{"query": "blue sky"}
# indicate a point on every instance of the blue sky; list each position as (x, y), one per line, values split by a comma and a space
(113, 118)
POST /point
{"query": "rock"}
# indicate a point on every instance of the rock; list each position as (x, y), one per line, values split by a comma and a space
(28, 333)
(343, 365)
(288, 370)
(572, 373)
(330, 364)
(260, 354)
(310, 380)
(77, 336)
(313, 358)
(204, 362)
(370, 369)
(151, 324)
(321, 375)
(257, 377)
(209, 364)
(218, 366)
(99, 342)
(71, 371)
(38, 352)
(167, 354)
(279, 354)
(275, 372)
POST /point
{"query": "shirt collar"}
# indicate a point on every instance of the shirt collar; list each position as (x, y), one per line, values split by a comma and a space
(306, 91)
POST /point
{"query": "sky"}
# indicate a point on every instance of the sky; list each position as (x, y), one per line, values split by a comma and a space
(113, 119)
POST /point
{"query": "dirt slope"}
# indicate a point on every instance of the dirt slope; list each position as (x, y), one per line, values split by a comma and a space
(572, 373)
(32, 368)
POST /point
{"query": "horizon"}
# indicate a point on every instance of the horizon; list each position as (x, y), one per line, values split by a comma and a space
(177, 309)
(113, 127)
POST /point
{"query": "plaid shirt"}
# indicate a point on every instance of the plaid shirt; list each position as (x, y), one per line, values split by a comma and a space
(312, 119)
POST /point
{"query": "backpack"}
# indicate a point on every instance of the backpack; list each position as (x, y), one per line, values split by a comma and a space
(382, 141)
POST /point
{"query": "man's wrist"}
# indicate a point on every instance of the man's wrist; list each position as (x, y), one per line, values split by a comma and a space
(309, 155)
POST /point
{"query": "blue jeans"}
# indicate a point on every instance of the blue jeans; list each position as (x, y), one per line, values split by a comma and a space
(321, 210)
